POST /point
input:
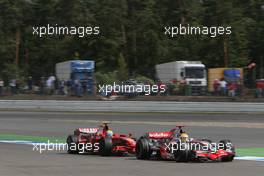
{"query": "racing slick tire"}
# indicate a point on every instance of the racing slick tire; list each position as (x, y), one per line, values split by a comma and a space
(143, 150)
(72, 143)
(182, 155)
(226, 143)
(105, 146)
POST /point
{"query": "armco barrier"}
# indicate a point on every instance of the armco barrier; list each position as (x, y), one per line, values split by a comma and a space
(131, 106)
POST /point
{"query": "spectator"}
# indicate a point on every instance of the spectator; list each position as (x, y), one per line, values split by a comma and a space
(42, 85)
(223, 87)
(53, 84)
(260, 88)
(65, 88)
(50, 84)
(239, 88)
(13, 86)
(61, 87)
(84, 86)
(183, 81)
(30, 84)
(69, 87)
(1, 87)
(216, 85)
(56, 86)
(185, 88)
(232, 89)
(161, 86)
(78, 88)
(18, 84)
(174, 81)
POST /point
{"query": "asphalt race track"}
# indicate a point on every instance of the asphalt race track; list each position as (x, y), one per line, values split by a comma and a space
(245, 130)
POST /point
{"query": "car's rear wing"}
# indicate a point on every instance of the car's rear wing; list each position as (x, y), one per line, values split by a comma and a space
(86, 130)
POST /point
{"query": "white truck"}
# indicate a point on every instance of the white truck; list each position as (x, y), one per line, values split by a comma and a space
(193, 72)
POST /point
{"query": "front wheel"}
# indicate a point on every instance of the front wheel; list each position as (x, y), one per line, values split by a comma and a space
(228, 146)
(105, 146)
(182, 154)
(72, 144)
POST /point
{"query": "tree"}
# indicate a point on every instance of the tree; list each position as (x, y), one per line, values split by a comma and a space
(134, 28)
(122, 68)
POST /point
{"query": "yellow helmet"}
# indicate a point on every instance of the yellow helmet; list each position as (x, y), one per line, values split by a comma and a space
(184, 137)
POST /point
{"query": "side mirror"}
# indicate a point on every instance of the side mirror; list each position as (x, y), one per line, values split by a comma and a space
(182, 74)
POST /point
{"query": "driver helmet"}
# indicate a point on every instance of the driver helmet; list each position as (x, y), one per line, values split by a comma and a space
(184, 137)
(109, 133)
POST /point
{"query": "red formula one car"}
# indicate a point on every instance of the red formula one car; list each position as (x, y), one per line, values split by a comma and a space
(101, 141)
(176, 145)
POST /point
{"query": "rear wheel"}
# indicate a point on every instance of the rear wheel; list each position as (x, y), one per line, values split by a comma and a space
(227, 145)
(143, 150)
(72, 144)
(105, 146)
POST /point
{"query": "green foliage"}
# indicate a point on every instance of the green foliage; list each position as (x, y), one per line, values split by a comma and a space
(11, 71)
(106, 78)
(134, 28)
(122, 68)
(144, 79)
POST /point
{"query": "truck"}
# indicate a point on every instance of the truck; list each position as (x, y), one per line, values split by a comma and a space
(81, 70)
(192, 72)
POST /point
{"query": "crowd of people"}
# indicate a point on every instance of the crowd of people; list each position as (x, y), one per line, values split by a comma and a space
(75, 87)
(224, 88)
(44, 86)
(13, 86)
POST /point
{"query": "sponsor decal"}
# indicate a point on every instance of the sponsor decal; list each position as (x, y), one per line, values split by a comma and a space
(159, 135)
(88, 130)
